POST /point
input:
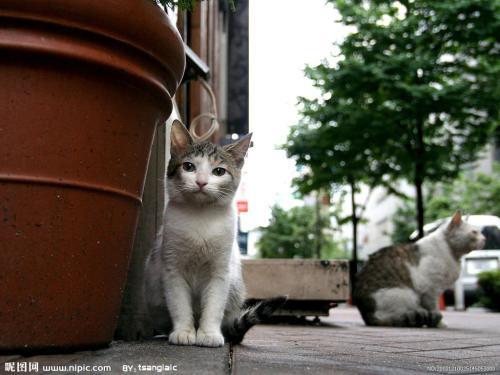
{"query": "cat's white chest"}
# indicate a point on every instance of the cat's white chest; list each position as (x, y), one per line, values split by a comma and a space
(202, 230)
(436, 271)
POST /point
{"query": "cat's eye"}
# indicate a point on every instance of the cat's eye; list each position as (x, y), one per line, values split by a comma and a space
(219, 171)
(188, 167)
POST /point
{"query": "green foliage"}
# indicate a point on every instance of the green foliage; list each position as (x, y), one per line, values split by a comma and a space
(403, 223)
(187, 5)
(489, 289)
(472, 193)
(414, 94)
(180, 4)
(292, 234)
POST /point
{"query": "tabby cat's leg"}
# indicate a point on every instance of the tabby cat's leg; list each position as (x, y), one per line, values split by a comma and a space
(179, 303)
(234, 304)
(430, 303)
(213, 303)
(398, 307)
(416, 318)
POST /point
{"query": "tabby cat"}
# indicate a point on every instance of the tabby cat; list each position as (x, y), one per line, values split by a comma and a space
(400, 285)
(193, 283)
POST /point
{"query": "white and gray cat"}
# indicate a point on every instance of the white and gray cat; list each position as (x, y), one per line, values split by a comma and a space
(193, 283)
(400, 285)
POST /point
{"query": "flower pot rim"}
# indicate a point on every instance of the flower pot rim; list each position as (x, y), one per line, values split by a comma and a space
(140, 24)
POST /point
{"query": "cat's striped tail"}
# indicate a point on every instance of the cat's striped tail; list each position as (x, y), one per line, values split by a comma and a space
(251, 316)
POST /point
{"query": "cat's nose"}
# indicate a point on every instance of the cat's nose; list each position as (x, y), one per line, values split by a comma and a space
(201, 184)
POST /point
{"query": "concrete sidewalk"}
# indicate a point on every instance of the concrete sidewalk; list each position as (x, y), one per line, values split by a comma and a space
(344, 345)
(129, 357)
(340, 345)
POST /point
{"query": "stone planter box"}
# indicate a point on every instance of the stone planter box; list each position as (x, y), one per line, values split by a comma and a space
(312, 286)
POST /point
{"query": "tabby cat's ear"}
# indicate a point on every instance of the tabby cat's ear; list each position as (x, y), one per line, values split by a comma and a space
(239, 149)
(180, 138)
(455, 221)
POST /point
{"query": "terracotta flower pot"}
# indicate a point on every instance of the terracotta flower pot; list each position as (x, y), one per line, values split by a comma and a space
(83, 85)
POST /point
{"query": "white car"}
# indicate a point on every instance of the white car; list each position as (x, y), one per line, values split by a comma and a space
(472, 264)
(480, 221)
(465, 291)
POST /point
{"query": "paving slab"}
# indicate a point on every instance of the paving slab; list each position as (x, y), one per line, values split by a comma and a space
(7, 358)
(343, 344)
(147, 357)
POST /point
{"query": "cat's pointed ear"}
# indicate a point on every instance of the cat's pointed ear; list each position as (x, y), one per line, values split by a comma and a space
(456, 220)
(180, 139)
(239, 148)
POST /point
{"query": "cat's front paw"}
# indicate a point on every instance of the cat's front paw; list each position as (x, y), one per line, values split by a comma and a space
(211, 339)
(442, 324)
(182, 337)
(435, 318)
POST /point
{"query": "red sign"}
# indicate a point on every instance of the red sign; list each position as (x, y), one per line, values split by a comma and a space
(242, 206)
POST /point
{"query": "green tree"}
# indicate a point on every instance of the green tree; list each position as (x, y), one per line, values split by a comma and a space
(402, 222)
(293, 234)
(473, 193)
(489, 289)
(414, 95)
(330, 170)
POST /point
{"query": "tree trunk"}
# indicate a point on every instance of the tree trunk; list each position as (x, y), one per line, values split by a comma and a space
(318, 227)
(354, 219)
(419, 177)
(420, 207)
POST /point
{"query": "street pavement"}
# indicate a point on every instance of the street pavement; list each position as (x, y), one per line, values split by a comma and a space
(344, 345)
(340, 344)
